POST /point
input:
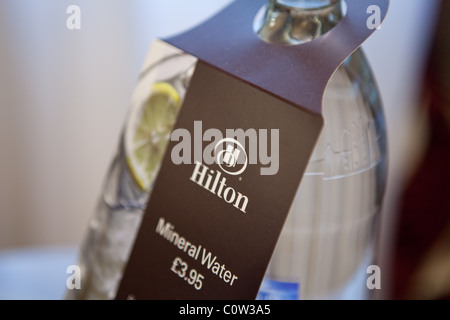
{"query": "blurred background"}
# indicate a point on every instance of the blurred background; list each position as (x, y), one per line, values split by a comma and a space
(64, 95)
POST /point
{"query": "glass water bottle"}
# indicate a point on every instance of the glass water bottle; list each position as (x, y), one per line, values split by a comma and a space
(328, 240)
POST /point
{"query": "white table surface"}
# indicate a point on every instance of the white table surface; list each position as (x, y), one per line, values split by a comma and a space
(35, 273)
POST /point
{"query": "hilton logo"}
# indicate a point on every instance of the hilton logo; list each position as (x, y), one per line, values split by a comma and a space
(229, 153)
(233, 161)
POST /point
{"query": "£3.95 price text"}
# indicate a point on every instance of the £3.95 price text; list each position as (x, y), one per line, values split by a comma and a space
(192, 277)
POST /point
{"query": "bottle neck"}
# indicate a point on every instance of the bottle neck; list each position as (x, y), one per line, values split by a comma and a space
(304, 4)
(291, 22)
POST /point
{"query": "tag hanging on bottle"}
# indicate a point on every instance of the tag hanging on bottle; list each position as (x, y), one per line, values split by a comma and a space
(247, 127)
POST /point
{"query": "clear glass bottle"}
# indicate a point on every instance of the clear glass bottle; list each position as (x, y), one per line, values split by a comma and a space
(329, 238)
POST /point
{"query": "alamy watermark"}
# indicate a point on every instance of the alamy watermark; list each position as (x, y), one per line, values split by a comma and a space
(73, 282)
(232, 150)
(374, 279)
(374, 20)
(73, 21)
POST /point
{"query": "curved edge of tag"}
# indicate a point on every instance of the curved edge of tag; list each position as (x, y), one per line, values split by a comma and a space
(227, 42)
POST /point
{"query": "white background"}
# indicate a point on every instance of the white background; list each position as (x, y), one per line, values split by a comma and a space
(64, 95)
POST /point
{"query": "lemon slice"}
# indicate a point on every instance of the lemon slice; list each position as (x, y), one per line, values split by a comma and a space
(149, 131)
